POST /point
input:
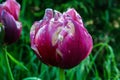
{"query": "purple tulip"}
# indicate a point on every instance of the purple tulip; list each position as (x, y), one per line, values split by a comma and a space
(61, 39)
(9, 13)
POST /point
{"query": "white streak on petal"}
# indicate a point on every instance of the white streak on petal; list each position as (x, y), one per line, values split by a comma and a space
(59, 52)
(19, 25)
(60, 37)
(36, 50)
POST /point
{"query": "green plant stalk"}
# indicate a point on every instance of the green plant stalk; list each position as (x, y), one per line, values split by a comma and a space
(10, 75)
(62, 74)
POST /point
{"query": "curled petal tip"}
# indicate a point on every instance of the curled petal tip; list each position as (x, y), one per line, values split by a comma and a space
(74, 15)
(48, 14)
(57, 15)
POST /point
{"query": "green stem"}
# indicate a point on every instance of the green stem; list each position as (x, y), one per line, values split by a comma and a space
(61, 74)
(10, 75)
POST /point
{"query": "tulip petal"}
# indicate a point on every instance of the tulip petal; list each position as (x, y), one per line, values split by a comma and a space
(48, 14)
(57, 15)
(32, 37)
(79, 43)
(74, 15)
(12, 7)
(12, 27)
(1, 8)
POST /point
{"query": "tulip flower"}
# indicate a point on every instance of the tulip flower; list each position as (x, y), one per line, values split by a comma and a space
(9, 13)
(61, 39)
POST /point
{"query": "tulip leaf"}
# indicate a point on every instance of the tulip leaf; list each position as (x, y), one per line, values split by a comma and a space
(31, 78)
(17, 62)
(1, 33)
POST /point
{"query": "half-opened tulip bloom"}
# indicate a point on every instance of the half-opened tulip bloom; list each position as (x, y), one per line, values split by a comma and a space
(9, 13)
(61, 39)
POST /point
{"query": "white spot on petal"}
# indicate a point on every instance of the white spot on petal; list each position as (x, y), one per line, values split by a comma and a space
(37, 52)
(59, 52)
(69, 51)
(71, 28)
(18, 25)
(60, 37)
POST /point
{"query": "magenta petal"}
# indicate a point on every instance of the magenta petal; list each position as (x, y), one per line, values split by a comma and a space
(12, 7)
(12, 27)
(48, 14)
(1, 8)
(32, 36)
(57, 15)
(74, 15)
(76, 47)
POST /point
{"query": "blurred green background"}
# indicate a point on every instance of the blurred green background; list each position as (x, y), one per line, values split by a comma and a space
(102, 20)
